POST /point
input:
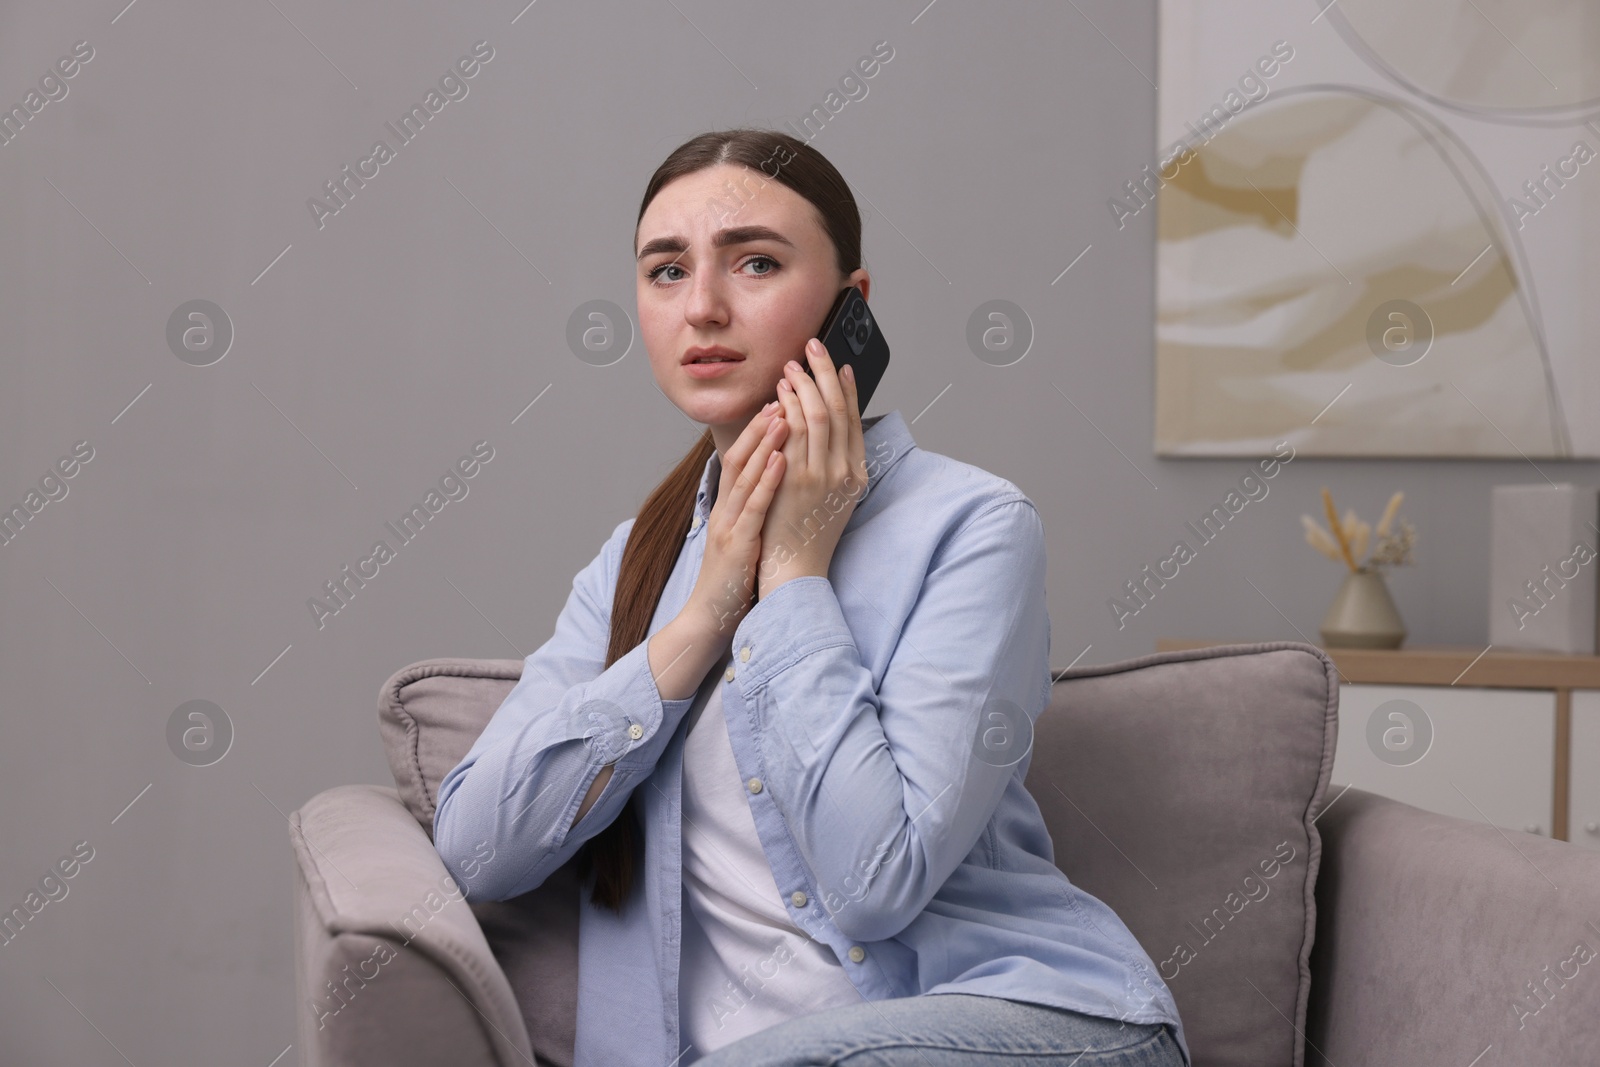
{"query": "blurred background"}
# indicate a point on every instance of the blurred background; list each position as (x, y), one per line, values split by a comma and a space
(227, 467)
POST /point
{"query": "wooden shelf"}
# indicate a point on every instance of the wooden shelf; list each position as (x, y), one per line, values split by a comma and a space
(1447, 665)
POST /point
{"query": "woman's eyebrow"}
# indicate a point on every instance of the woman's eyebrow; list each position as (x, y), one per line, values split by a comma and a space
(733, 235)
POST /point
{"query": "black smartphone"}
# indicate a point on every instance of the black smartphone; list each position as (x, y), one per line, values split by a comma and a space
(851, 335)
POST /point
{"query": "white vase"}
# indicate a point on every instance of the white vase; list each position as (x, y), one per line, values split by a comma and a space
(1363, 614)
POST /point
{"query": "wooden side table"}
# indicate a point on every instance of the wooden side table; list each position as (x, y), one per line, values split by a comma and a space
(1472, 668)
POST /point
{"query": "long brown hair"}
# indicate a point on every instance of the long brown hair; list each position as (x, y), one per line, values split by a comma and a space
(659, 531)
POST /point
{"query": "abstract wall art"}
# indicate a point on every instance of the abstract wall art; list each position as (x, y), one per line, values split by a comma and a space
(1377, 227)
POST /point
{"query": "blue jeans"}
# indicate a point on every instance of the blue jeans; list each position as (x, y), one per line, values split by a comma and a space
(952, 1030)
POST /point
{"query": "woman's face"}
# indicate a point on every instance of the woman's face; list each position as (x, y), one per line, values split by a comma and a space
(748, 269)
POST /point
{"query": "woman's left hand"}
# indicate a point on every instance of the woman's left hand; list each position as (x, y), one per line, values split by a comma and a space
(824, 471)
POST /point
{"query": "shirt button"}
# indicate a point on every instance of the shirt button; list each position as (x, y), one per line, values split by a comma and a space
(744, 654)
(799, 898)
(695, 525)
(727, 675)
(636, 731)
(754, 785)
(857, 953)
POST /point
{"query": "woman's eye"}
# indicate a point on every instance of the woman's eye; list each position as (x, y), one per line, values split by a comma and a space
(665, 266)
(762, 259)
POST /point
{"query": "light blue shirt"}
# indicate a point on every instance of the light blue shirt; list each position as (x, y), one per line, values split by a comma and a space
(881, 719)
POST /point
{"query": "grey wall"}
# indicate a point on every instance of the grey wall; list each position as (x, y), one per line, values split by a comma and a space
(424, 317)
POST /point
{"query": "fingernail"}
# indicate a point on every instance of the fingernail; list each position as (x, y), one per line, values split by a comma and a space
(849, 373)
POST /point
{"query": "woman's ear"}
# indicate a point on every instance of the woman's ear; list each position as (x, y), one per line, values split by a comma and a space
(861, 280)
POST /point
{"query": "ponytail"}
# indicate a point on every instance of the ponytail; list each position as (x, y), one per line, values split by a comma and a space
(652, 550)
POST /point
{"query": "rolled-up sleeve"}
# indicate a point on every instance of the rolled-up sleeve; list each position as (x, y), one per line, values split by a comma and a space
(886, 789)
(522, 782)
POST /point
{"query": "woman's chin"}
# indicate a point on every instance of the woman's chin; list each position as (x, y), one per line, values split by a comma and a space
(718, 409)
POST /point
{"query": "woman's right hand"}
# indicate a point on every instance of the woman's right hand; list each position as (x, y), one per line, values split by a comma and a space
(683, 650)
(751, 472)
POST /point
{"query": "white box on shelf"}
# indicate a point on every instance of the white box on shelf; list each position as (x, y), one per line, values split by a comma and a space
(1542, 567)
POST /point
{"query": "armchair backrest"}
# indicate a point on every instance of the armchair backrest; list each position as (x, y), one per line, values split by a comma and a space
(1181, 788)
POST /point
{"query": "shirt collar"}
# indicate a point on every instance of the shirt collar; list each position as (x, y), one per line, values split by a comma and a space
(886, 437)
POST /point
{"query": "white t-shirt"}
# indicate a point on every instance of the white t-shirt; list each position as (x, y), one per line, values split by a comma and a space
(744, 966)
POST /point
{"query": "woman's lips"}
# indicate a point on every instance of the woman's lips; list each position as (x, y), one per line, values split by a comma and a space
(711, 370)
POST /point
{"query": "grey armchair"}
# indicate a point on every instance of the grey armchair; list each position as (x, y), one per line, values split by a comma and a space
(1295, 922)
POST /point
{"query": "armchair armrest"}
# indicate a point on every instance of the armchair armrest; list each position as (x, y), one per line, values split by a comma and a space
(1440, 938)
(391, 966)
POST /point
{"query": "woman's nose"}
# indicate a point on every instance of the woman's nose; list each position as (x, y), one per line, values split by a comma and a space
(707, 301)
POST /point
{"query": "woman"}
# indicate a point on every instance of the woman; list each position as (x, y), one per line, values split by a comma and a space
(807, 665)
